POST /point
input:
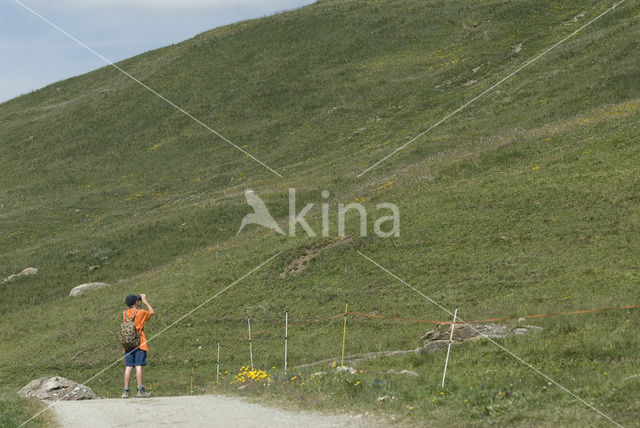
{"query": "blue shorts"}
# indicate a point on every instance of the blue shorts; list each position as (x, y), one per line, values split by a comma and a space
(135, 357)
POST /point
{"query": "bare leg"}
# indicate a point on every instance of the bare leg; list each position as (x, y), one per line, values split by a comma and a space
(139, 375)
(127, 376)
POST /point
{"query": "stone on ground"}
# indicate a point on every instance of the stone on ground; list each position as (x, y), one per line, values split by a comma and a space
(438, 338)
(90, 286)
(57, 388)
(28, 271)
(345, 369)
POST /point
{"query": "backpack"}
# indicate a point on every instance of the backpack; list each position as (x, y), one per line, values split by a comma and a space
(129, 336)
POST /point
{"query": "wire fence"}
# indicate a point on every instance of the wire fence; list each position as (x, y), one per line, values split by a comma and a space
(229, 347)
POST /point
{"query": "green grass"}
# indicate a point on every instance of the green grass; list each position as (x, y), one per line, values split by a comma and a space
(15, 410)
(524, 203)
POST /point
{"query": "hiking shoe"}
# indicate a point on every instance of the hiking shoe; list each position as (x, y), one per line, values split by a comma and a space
(142, 393)
(125, 393)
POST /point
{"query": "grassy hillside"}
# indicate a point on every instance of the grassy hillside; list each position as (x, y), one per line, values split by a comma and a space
(524, 203)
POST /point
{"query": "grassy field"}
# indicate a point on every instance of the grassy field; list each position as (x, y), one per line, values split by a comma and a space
(524, 203)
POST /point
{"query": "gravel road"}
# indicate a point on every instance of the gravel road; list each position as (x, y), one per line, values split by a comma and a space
(201, 411)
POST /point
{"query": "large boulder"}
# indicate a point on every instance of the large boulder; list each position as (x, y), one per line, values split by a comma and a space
(28, 271)
(57, 388)
(90, 286)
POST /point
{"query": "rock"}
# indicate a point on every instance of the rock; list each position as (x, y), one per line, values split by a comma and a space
(439, 337)
(475, 70)
(437, 345)
(28, 271)
(525, 329)
(57, 388)
(435, 334)
(403, 372)
(345, 369)
(477, 331)
(90, 286)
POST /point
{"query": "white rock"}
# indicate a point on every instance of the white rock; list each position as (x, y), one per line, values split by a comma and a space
(28, 271)
(346, 369)
(57, 388)
(90, 286)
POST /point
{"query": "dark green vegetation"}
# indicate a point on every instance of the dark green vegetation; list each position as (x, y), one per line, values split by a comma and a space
(526, 202)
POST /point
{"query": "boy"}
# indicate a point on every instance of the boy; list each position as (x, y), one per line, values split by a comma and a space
(136, 357)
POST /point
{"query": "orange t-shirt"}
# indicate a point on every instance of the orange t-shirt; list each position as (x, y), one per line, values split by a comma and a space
(142, 317)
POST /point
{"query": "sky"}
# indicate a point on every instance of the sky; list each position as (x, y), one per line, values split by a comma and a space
(33, 54)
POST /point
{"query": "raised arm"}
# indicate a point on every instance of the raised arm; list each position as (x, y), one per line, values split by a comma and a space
(146, 303)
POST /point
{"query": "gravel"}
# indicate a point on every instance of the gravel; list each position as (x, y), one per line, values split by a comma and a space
(201, 410)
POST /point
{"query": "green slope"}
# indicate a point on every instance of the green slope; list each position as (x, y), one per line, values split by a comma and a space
(523, 203)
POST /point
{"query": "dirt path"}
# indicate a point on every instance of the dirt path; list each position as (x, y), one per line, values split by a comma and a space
(202, 410)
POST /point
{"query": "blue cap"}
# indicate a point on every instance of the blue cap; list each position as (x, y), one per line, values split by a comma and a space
(132, 299)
